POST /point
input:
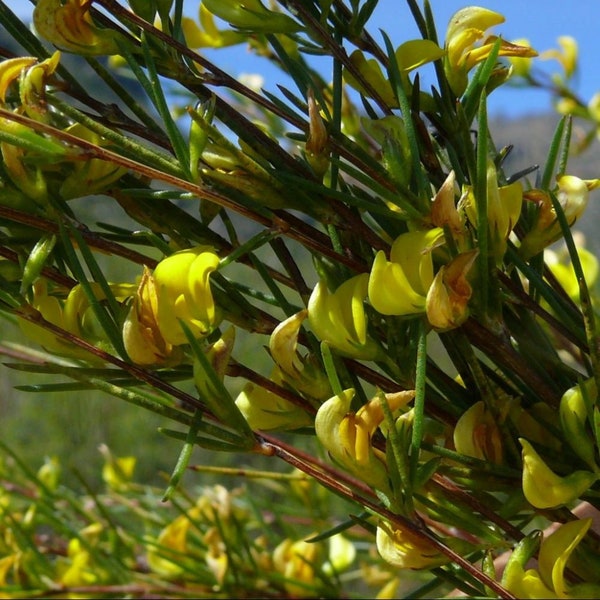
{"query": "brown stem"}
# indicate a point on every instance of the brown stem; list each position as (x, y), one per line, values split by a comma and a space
(331, 480)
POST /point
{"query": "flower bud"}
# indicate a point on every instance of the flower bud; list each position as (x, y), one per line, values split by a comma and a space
(317, 153)
(444, 212)
(218, 356)
(574, 418)
(208, 35)
(565, 274)
(90, 176)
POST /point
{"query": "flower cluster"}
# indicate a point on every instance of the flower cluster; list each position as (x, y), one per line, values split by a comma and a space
(371, 297)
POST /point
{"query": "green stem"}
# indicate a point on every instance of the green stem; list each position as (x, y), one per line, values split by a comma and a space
(419, 402)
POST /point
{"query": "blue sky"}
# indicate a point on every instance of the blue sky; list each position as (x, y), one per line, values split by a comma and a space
(541, 21)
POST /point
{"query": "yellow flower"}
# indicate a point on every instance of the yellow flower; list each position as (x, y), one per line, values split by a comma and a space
(303, 373)
(521, 65)
(298, 562)
(467, 27)
(142, 338)
(68, 26)
(565, 274)
(410, 55)
(33, 87)
(208, 35)
(165, 554)
(548, 581)
(574, 421)
(265, 410)
(477, 434)
(403, 549)
(347, 435)
(73, 315)
(251, 14)
(567, 55)
(317, 153)
(10, 71)
(117, 472)
(400, 286)
(339, 318)
(573, 194)
(49, 473)
(182, 282)
(78, 568)
(545, 489)
(90, 176)
(503, 209)
(449, 294)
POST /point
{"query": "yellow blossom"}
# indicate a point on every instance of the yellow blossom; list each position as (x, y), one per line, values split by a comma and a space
(164, 556)
(303, 373)
(142, 338)
(409, 55)
(545, 489)
(90, 176)
(477, 434)
(182, 282)
(78, 568)
(444, 212)
(117, 472)
(74, 315)
(207, 34)
(548, 581)
(567, 55)
(265, 410)
(216, 555)
(449, 294)
(252, 14)
(68, 26)
(562, 268)
(405, 550)
(399, 286)
(467, 27)
(572, 194)
(503, 209)
(574, 420)
(49, 473)
(298, 562)
(347, 435)
(10, 71)
(339, 318)
(521, 65)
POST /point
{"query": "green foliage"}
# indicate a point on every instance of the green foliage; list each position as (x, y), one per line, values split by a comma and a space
(391, 281)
